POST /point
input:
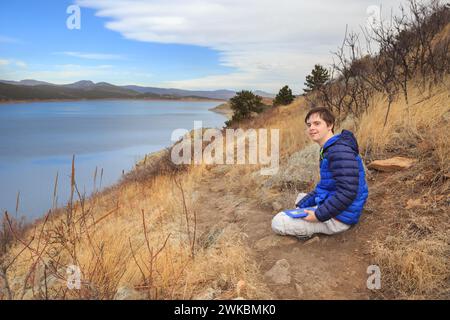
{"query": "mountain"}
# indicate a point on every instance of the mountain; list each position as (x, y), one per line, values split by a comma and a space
(264, 94)
(216, 94)
(27, 82)
(87, 88)
(83, 84)
(12, 92)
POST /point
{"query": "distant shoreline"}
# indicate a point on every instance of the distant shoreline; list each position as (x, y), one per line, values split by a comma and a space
(224, 109)
(110, 99)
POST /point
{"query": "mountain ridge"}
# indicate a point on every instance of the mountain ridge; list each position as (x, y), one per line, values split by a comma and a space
(86, 89)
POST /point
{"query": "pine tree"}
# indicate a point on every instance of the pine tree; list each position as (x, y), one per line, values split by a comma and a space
(318, 77)
(244, 103)
(284, 97)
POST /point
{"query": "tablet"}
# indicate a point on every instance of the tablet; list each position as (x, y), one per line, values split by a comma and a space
(298, 212)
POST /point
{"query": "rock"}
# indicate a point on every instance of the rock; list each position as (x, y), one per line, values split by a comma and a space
(127, 293)
(267, 242)
(414, 203)
(392, 164)
(313, 240)
(301, 169)
(276, 206)
(238, 298)
(208, 294)
(280, 272)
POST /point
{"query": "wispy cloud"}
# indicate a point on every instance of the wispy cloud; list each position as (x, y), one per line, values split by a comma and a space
(13, 62)
(5, 39)
(68, 73)
(91, 56)
(268, 43)
(72, 72)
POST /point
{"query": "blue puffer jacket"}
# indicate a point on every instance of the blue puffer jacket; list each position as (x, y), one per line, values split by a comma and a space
(342, 190)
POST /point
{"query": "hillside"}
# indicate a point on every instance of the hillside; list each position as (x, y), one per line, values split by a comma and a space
(37, 92)
(86, 89)
(169, 231)
(208, 227)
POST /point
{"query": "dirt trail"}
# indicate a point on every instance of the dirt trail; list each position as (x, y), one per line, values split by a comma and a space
(325, 267)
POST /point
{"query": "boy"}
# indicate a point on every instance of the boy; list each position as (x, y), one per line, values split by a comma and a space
(339, 197)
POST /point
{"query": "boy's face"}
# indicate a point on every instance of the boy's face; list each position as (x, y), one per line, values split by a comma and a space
(318, 130)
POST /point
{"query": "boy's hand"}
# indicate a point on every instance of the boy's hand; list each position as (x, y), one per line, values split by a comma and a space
(311, 216)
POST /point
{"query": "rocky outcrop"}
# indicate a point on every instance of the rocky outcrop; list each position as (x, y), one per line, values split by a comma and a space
(301, 169)
(391, 164)
(280, 272)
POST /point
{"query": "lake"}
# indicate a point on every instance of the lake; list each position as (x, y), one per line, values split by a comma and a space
(38, 140)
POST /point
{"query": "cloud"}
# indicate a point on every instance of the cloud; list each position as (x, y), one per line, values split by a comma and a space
(21, 64)
(5, 39)
(59, 73)
(68, 73)
(92, 56)
(71, 72)
(268, 43)
(13, 62)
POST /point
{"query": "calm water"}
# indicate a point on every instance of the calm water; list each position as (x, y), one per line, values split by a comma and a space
(37, 140)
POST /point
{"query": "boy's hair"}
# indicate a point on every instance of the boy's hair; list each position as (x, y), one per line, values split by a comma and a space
(324, 113)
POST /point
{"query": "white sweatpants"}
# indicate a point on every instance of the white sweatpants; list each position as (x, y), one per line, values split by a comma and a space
(282, 224)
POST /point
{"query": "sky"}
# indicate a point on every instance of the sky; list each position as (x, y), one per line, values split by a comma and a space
(186, 44)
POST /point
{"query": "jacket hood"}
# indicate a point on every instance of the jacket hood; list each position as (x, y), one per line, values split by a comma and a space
(344, 138)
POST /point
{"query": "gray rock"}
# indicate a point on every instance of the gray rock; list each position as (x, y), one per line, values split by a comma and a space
(127, 293)
(301, 169)
(267, 242)
(280, 272)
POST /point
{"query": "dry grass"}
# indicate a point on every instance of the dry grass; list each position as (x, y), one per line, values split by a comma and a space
(412, 248)
(138, 235)
(406, 128)
(142, 234)
(412, 270)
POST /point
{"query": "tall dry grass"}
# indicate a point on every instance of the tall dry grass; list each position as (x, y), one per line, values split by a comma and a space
(413, 252)
(138, 236)
(414, 249)
(407, 124)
